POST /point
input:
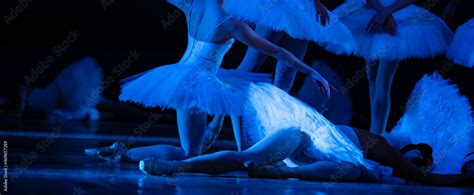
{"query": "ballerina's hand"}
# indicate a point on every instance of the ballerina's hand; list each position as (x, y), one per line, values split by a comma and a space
(376, 23)
(322, 15)
(323, 84)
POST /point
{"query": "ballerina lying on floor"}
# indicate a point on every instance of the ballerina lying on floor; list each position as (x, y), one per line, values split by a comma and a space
(291, 130)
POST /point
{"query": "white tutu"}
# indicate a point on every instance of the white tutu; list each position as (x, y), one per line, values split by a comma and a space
(420, 34)
(273, 109)
(73, 95)
(173, 86)
(193, 83)
(437, 115)
(297, 18)
(461, 50)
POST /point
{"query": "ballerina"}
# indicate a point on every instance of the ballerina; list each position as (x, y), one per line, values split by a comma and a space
(461, 50)
(291, 26)
(192, 86)
(386, 33)
(293, 131)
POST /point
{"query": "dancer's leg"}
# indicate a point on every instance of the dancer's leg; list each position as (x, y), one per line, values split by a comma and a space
(192, 129)
(274, 148)
(165, 152)
(191, 133)
(377, 148)
(285, 76)
(254, 59)
(213, 130)
(240, 134)
(243, 137)
(319, 171)
(381, 101)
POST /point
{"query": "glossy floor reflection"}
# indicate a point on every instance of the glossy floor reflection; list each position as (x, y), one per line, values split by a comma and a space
(42, 162)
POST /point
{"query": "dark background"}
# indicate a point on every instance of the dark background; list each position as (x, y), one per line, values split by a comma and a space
(110, 29)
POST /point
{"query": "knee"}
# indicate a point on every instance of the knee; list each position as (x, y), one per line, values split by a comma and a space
(294, 133)
(289, 136)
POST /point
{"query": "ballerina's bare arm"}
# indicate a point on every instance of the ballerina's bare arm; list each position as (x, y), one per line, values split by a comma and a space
(384, 19)
(246, 35)
(322, 15)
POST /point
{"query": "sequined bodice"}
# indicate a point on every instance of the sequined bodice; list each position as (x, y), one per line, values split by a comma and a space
(206, 55)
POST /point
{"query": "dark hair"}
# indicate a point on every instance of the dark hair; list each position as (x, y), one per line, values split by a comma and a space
(426, 159)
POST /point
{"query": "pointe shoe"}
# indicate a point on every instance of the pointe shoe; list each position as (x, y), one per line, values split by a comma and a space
(161, 167)
(112, 153)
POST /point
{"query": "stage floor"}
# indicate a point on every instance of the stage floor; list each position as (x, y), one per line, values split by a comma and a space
(48, 159)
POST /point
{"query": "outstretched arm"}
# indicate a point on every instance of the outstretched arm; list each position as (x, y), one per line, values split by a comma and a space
(245, 34)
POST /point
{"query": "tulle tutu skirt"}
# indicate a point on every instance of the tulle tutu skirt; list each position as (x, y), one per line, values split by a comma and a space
(192, 88)
(297, 18)
(272, 110)
(461, 50)
(420, 34)
(73, 95)
(437, 115)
